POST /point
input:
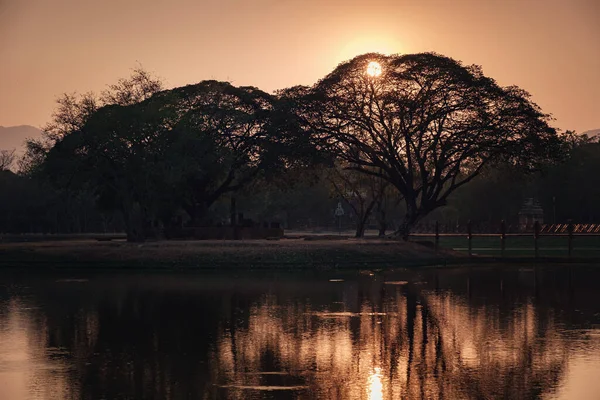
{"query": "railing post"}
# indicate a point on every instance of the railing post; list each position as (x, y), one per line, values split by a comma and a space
(437, 235)
(570, 230)
(470, 237)
(502, 238)
(536, 235)
(232, 211)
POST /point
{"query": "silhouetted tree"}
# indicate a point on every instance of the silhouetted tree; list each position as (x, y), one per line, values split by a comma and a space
(73, 111)
(426, 124)
(297, 198)
(181, 148)
(571, 190)
(7, 159)
(496, 194)
(362, 192)
(225, 137)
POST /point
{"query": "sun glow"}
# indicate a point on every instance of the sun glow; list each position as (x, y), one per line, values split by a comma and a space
(374, 69)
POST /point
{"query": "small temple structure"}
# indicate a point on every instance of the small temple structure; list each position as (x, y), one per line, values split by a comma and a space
(530, 213)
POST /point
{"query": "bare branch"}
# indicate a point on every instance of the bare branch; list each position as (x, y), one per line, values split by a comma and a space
(7, 159)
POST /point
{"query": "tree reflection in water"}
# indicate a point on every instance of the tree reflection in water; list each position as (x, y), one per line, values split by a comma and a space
(400, 343)
(479, 334)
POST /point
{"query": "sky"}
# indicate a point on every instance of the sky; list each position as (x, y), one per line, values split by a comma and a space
(550, 48)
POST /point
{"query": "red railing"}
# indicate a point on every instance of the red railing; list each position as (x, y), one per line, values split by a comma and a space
(563, 228)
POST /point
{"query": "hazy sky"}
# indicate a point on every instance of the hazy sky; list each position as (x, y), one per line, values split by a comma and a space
(47, 47)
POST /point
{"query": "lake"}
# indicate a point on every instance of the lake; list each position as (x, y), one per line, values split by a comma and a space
(517, 332)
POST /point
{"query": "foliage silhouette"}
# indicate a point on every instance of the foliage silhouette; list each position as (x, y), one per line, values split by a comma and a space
(361, 192)
(419, 131)
(180, 148)
(7, 159)
(73, 111)
(427, 125)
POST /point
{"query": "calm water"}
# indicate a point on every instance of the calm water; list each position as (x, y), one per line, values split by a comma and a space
(481, 333)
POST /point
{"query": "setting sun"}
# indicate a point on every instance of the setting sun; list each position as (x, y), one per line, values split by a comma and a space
(374, 69)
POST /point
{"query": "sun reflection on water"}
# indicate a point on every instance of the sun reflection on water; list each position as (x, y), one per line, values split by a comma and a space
(375, 386)
(365, 340)
(350, 357)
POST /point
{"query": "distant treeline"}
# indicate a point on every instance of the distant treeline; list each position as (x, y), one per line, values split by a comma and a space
(569, 191)
(410, 139)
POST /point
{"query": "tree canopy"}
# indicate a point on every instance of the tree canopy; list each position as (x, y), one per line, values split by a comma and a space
(73, 111)
(180, 148)
(397, 134)
(425, 123)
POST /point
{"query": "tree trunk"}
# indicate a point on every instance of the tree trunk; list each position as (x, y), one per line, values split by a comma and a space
(405, 228)
(197, 213)
(288, 219)
(191, 211)
(362, 219)
(360, 227)
(153, 228)
(381, 220)
(134, 220)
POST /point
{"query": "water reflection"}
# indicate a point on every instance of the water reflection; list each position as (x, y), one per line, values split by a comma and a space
(375, 387)
(26, 356)
(430, 334)
(428, 346)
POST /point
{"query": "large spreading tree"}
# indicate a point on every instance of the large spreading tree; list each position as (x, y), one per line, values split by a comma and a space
(422, 124)
(425, 123)
(181, 148)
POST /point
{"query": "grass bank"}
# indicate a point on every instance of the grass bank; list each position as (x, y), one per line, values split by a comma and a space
(550, 246)
(209, 254)
(306, 252)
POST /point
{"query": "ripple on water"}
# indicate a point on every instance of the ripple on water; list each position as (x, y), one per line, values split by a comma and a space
(263, 388)
(344, 314)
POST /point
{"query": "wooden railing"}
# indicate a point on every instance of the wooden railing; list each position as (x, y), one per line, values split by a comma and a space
(589, 234)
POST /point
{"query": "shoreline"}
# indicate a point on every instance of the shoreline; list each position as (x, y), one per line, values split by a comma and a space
(297, 254)
(219, 254)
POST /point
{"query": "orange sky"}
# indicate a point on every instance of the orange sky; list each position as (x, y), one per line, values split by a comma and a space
(549, 47)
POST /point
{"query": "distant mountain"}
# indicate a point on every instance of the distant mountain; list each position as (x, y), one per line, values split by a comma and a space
(13, 137)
